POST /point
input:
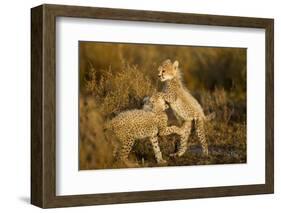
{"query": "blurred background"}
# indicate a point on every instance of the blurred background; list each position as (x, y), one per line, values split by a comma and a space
(114, 77)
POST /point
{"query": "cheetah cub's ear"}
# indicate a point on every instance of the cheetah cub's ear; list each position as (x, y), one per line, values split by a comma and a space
(145, 100)
(146, 104)
(175, 65)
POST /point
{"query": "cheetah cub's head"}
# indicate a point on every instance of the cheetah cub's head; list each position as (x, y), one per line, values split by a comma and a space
(155, 103)
(168, 70)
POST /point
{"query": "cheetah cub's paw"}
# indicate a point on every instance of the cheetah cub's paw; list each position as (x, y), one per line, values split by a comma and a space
(206, 153)
(162, 162)
(130, 164)
(175, 155)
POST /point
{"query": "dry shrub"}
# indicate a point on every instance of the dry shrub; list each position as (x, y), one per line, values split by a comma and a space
(96, 148)
(118, 90)
(226, 134)
(218, 102)
(227, 107)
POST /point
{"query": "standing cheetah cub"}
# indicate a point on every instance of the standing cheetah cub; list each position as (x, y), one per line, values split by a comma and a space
(136, 124)
(184, 105)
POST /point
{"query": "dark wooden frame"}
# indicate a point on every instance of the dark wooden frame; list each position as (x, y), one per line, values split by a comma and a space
(43, 105)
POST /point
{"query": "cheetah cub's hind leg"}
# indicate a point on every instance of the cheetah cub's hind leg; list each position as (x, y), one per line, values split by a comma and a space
(156, 149)
(200, 131)
(186, 127)
(124, 152)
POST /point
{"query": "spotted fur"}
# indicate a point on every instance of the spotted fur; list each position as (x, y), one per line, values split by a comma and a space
(185, 107)
(148, 122)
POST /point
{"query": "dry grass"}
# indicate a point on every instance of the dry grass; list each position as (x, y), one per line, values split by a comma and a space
(122, 76)
(116, 92)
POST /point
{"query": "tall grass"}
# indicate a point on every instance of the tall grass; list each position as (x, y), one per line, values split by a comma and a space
(115, 92)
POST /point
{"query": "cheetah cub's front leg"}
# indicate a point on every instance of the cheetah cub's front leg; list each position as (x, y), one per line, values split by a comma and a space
(183, 132)
(184, 135)
(156, 150)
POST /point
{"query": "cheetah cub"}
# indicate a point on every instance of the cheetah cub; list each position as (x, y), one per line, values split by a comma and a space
(148, 122)
(184, 105)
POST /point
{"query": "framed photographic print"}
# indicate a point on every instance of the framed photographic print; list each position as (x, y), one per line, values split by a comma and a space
(136, 106)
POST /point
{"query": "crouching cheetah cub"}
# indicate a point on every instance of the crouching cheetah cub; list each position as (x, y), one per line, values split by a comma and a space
(184, 105)
(148, 122)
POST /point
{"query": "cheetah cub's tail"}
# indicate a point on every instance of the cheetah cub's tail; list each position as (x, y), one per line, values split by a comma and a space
(210, 117)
